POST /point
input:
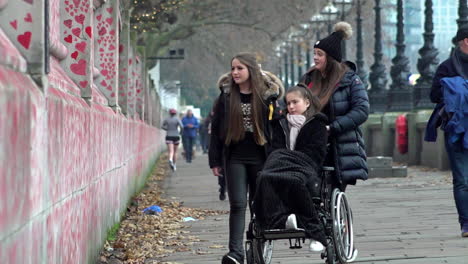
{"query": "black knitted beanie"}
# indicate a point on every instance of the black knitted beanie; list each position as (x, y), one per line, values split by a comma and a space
(332, 44)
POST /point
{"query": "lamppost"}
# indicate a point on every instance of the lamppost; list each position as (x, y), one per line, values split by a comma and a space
(378, 77)
(344, 7)
(330, 12)
(427, 63)
(306, 27)
(462, 13)
(359, 47)
(400, 91)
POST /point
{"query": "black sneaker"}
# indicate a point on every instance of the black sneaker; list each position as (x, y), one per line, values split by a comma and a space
(229, 260)
(222, 196)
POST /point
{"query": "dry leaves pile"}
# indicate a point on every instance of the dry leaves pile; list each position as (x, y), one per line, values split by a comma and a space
(146, 238)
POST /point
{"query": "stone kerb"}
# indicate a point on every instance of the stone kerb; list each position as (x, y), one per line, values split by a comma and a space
(23, 22)
(106, 49)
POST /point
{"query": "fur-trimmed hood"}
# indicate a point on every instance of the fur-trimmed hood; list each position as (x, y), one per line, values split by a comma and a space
(274, 85)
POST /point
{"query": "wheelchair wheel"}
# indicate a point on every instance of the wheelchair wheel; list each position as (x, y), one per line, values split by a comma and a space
(262, 251)
(343, 235)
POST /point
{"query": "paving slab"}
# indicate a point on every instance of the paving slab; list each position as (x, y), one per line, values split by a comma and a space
(409, 220)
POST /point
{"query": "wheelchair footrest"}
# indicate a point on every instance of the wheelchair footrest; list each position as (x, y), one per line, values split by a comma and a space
(273, 234)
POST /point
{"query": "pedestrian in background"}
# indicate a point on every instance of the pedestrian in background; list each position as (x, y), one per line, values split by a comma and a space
(173, 128)
(344, 101)
(190, 123)
(203, 132)
(449, 88)
(239, 136)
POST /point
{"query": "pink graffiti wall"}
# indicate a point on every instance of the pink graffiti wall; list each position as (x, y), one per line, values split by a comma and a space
(70, 157)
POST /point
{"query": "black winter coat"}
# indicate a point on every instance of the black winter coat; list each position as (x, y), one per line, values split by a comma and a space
(218, 152)
(311, 140)
(349, 108)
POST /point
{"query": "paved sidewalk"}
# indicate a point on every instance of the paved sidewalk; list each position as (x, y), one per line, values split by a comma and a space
(396, 220)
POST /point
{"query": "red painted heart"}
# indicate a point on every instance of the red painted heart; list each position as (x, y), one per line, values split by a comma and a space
(109, 20)
(112, 32)
(77, 3)
(129, 61)
(68, 39)
(68, 23)
(110, 9)
(112, 95)
(80, 19)
(99, 17)
(79, 68)
(102, 31)
(101, 50)
(104, 72)
(25, 39)
(74, 55)
(76, 31)
(14, 24)
(29, 1)
(111, 47)
(81, 46)
(89, 31)
(83, 84)
(28, 18)
(121, 47)
(103, 83)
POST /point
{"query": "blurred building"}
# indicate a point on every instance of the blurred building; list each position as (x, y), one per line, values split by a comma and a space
(445, 27)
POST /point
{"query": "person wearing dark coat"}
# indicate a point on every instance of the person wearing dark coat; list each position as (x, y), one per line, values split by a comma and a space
(344, 101)
(455, 67)
(239, 138)
(291, 175)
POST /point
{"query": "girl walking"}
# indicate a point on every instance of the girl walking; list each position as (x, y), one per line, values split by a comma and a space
(239, 136)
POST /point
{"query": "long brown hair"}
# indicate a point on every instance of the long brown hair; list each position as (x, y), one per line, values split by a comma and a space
(324, 85)
(235, 131)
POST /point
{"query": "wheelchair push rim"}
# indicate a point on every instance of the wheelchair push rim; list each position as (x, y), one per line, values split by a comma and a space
(343, 234)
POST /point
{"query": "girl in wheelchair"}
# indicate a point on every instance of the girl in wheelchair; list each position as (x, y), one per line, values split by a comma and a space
(291, 177)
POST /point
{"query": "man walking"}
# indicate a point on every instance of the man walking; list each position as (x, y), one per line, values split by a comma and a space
(189, 134)
(449, 87)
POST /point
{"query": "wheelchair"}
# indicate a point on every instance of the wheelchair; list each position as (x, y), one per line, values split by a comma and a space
(336, 216)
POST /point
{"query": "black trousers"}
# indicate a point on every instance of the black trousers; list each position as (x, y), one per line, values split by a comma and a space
(240, 182)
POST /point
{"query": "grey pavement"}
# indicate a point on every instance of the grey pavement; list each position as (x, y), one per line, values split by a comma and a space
(408, 220)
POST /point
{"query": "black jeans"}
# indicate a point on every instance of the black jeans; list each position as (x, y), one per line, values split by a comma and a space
(188, 147)
(240, 181)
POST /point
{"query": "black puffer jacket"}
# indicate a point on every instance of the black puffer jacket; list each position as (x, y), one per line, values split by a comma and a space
(348, 109)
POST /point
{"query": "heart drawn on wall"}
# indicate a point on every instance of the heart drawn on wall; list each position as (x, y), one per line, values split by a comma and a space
(68, 23)
(76, 31)
(29, 1)
(89, 31)
(81, 46)
(109, 20)
(103, 83)
(83, 84)
(14, 24)
(80, 19)
(110, 9)
(74, 55)
(25, 39)
(28, 18)
(79, 68)
(68, 39)
(99, 17)
(77, 3)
